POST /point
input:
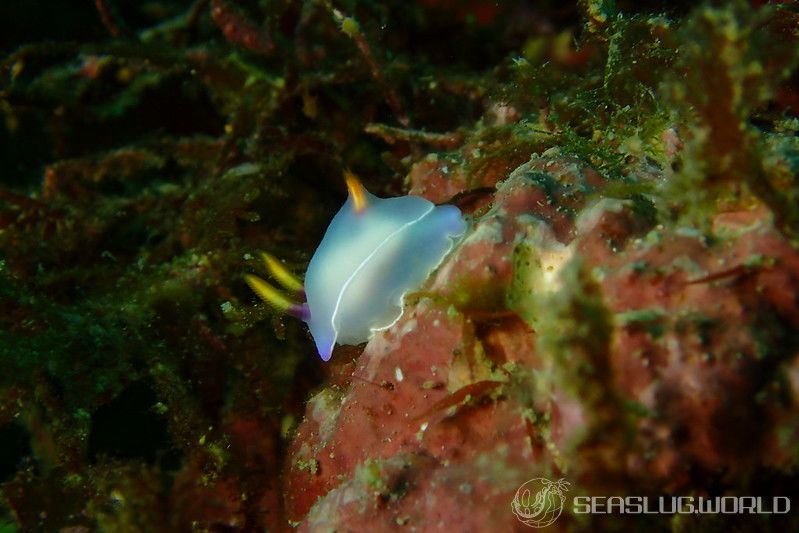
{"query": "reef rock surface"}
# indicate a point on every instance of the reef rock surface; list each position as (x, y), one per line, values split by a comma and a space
(564, 337)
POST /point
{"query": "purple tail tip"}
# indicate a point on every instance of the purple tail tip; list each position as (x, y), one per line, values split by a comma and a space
(325, 350)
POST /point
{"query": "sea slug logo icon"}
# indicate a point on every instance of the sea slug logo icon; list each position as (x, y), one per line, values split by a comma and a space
(539, 502)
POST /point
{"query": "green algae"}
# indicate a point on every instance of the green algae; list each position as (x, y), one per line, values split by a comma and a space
(649, 319)
(574, 329)
(730, 66)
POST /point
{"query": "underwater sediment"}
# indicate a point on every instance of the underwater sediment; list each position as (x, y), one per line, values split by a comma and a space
(621, 313)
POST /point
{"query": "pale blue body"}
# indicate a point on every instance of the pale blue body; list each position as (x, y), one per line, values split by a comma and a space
(368, 260)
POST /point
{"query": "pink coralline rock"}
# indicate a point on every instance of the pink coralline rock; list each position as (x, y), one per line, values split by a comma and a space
(441, 178)
(565, 336)
(436, 179)
(537, 197)
(394, 407)
(419, 493)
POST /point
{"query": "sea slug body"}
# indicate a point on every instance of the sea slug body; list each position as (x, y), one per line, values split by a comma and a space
(374, 251)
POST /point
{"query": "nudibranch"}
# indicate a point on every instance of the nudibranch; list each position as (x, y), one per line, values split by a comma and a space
(374, 251)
